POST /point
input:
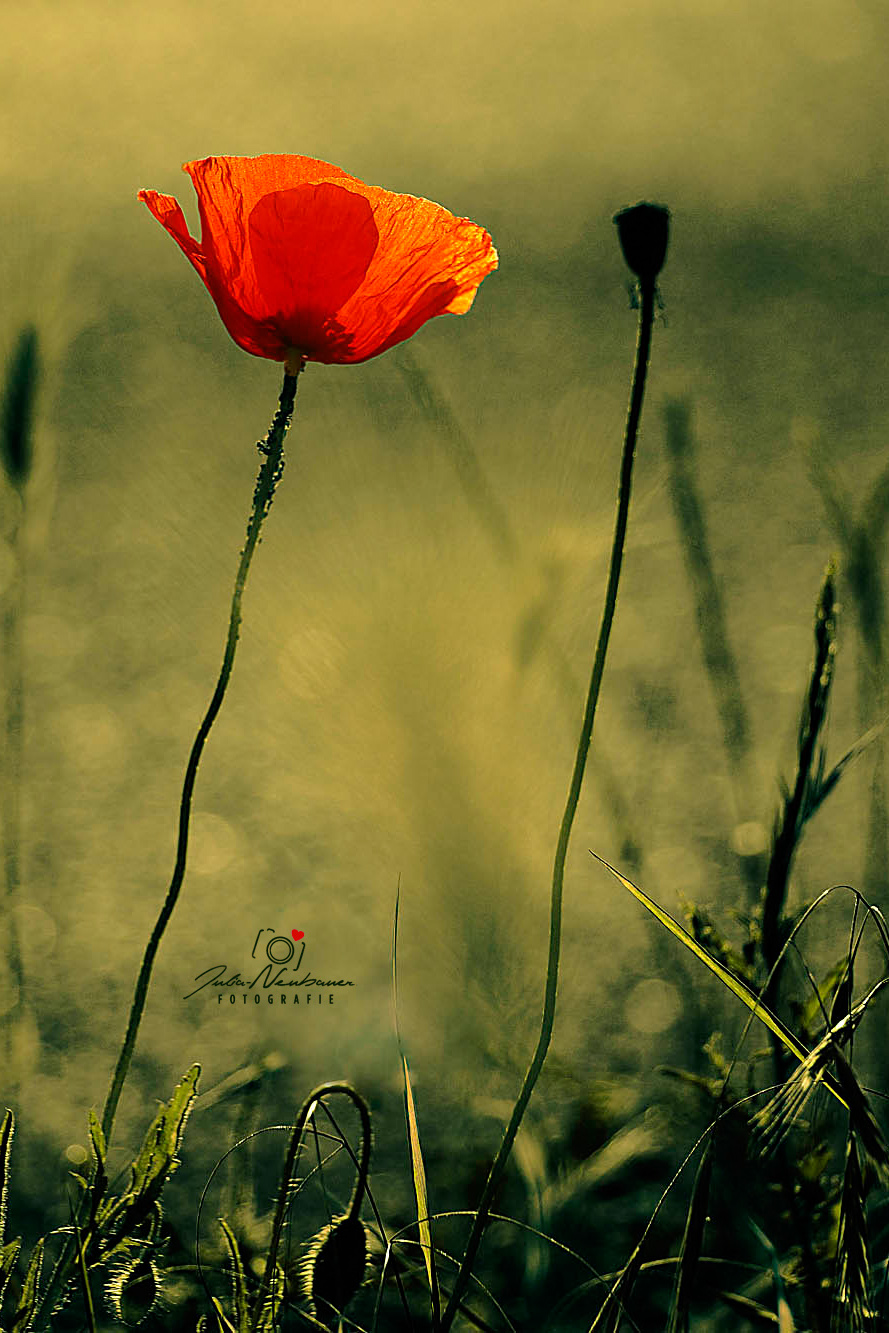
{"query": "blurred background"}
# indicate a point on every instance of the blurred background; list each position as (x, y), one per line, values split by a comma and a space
(420, 618)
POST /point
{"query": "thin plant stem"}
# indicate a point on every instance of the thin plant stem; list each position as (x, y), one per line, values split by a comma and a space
(12, 788)
(643, 347)
(16, 453)
(272, 449)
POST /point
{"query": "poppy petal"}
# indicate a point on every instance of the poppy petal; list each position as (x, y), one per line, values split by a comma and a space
(169, 214)
(297, 254)
(428, 263)
(310, 248)
(229, 188)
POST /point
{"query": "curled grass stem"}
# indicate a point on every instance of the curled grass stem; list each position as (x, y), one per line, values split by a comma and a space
(272, 449)
(643, 348)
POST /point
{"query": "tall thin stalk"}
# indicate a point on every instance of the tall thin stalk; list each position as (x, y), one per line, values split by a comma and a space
(638, 250)
(272, 449)
(16, 452)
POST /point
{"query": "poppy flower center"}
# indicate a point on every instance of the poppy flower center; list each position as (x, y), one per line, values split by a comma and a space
(311, 247)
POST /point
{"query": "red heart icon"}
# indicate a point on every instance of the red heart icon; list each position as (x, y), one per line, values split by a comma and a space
(297, 934)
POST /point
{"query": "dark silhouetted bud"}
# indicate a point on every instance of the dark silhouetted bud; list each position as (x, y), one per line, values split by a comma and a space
(18, 408)
(133, 1290)
(643, 231)
(335, 1266)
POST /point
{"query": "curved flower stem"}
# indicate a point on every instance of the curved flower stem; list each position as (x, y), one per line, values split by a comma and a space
(643, 347)
(285, 1192)
(272, 449)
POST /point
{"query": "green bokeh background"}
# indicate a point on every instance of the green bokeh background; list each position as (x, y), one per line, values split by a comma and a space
(406, 697)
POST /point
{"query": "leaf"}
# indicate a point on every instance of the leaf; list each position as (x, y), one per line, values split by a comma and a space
(27, 1303)
(240, 1305)
(157, 1157)
(97, 1138)
(728, 979)
(99, 1175)
(155, 1163)
(8, 1256)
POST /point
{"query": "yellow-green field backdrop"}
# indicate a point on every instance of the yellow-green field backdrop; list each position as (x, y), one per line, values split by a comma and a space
(421, 614)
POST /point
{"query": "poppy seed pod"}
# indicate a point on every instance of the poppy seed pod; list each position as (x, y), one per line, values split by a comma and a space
(133, 1290)
(335, 1265)
(643, 231)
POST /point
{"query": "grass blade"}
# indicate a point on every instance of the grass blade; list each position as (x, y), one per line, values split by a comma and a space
(728, 979)
(785, 1315)
(692, 1243)
(84, 1275)
(418, 1170)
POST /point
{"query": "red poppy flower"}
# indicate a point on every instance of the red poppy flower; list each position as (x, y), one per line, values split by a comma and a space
(305, 261)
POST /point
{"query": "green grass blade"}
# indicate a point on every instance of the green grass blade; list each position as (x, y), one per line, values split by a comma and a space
(692, 1243)
(785, 1316)
(418, 1170)
(728, 978)
(418, 1173)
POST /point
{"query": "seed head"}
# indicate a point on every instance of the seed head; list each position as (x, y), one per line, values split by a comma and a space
(133, 1290)
(17, 411)
(335, 1266)
(643, 231)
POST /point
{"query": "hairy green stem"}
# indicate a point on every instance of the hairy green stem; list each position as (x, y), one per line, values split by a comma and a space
(272, 449)
(643, 347)
(285, 1192)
